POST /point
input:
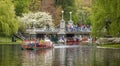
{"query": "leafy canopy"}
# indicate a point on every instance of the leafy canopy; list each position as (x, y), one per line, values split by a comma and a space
(103, 10)
(38, 20)
(8, 21)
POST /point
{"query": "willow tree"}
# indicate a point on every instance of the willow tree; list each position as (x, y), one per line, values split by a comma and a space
(8, 22)
(105, 17)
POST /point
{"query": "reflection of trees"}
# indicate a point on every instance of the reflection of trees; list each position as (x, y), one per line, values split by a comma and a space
(85, 54)
(111, 58)
(78, 56)
(10, 55)
(58, 54)
(37, 57)
(70, 56)
(107, 57)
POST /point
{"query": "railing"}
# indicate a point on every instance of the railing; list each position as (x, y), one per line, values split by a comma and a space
(42, 30)
(57, 30)
(78, 30)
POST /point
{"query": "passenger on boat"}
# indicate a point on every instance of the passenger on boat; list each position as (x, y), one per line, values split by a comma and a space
(37, 42)
(62, 39)
(48, 40)
(41, 41)
(32, 43)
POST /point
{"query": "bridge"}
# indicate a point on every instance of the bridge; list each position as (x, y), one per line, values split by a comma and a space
(69, 30)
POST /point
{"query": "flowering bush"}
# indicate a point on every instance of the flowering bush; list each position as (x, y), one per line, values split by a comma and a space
(38, 20)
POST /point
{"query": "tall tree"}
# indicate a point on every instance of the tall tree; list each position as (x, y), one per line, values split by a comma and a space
(21, 6)
(35, 5)
(83, 11)
(38, 20)
(67, 6)
(8, 21)
(58, 15)
(105, 17)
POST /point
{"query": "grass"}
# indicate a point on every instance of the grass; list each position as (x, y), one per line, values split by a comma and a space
(111, 45)
(7, 40)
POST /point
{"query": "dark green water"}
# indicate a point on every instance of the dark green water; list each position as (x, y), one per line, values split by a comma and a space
(12, 55)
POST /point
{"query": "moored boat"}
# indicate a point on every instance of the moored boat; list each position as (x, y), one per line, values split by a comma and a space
(72, 41)
(33, 44)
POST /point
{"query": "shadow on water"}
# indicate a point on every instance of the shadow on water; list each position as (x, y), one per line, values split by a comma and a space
(12, 55)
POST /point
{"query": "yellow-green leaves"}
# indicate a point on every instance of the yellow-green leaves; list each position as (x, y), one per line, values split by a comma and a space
(8, 22)
(102, 10)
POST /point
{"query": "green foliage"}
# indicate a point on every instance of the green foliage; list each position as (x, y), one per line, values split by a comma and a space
(35, 5)
(67, 6)
(83, 11)
(58, 15)
(22, 27)
(7, 40)
(83, 15)
(75, 18)
(111, 45)
(64, 3)
(21, 6)
(102, 10)
(8, 22)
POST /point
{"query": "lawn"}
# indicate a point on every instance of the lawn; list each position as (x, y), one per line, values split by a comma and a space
(111, 45)
(8, 40)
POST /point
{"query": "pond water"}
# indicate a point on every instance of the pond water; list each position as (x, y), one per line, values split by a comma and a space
(12, 55)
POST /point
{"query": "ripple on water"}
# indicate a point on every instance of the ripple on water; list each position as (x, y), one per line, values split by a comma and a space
(66, 46)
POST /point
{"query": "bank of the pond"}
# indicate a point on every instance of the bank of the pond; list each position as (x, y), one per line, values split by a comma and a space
(110, 45)
(8, 40)
(11, 43)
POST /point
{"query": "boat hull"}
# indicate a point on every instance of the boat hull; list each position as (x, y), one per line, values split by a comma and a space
(32, 46)
(37, 47)
(72, 42)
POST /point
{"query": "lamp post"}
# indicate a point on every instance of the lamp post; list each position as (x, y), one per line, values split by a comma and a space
(61, 31)
(70, 16)
(70, 21)
(62, 15)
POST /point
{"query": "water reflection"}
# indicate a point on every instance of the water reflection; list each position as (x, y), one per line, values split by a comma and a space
(37, 57)
(12, 55)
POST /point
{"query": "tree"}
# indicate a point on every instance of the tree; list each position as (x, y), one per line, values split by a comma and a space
(8, 21)
(67, 6)
(21, 6)
(83, 11)
(38, 20)
(58, 15)
(35, 5)
(103, 10)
